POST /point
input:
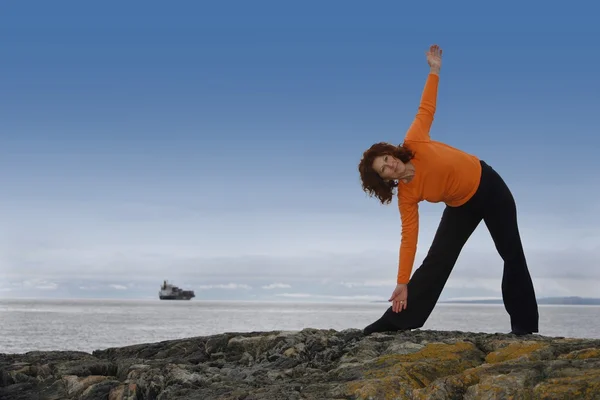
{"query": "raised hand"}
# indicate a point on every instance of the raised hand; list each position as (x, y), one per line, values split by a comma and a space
(434, 57)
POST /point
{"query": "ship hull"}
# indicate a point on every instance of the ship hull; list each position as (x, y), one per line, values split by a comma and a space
(172, 292)
(167, 297)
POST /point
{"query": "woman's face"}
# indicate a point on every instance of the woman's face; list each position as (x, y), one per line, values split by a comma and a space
(389, 167)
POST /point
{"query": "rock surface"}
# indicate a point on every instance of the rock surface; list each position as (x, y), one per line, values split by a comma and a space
(315, 364)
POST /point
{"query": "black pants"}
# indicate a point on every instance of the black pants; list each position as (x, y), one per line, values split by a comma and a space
(494, 204)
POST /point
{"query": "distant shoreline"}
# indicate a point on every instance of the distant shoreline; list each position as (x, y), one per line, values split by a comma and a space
(574, 300)
(579, 301)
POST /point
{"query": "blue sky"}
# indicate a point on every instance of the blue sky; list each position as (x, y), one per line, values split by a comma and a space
(216, 145)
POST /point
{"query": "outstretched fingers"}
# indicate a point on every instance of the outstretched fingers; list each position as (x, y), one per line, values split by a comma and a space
(399, 303)
(435, 50)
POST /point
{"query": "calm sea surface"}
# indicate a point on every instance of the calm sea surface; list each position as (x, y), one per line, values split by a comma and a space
(88, 325)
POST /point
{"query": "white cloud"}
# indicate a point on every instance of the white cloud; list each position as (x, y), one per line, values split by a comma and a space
(474, 298)
(228, 286)
(48, 286)
(40, 284)
(118, 287)
(332, 297)
(490, 284)
(331, 254)
(380, 283)
(277, 286)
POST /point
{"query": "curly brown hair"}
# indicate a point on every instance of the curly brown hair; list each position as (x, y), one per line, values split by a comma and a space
(372, 183)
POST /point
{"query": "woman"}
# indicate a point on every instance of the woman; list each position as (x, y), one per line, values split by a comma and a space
(425, 169)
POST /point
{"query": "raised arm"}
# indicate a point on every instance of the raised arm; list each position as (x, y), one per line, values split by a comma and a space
(419, 129)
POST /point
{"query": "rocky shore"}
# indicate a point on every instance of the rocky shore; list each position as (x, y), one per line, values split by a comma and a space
(314, 364)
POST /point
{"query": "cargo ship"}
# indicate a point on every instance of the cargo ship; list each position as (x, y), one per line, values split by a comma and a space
(172, 292)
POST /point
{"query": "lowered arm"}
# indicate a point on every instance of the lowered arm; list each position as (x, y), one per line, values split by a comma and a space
(409, 214)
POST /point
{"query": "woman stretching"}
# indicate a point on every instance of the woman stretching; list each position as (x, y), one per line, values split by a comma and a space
(425, 169)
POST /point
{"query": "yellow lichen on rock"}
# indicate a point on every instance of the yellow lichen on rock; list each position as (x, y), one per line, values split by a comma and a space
(316, 365)
(495, 384)
(389, 388)
(397, 375)
(516, 350)
(581, 354)
(583, 387)
(445, 387)
(437, 351)
(438, 359)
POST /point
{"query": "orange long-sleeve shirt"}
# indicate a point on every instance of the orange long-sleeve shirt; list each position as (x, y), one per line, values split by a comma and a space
(442, 174)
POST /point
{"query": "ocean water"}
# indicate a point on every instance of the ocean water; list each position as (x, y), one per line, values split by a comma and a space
(87, 325)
